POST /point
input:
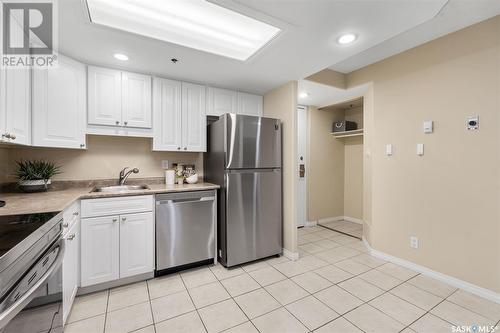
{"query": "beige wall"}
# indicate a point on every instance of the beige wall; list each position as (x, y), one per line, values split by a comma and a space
(326, 166)
(282, 103)
(353, 177)
(449, 197)
(104, 158)
(329, 77)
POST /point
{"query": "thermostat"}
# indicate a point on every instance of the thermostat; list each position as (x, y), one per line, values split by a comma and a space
(473, 123)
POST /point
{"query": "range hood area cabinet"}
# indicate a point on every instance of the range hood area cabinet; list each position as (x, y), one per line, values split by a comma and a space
(15, 105)
(118, 99)
(60, 105)
(221, 101)
(179, 116)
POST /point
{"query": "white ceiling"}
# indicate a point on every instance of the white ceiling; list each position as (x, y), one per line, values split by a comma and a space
(306, 45)
(321, 95)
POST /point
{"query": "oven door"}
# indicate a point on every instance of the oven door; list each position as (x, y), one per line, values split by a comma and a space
(34, 303)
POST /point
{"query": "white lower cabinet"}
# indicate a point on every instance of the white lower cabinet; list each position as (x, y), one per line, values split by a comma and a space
(100, 250)
(119, 244)
(71, 266)
(136, 240)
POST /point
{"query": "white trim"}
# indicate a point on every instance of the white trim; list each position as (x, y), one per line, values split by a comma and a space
(331, 219)
(353, 219)
(311, 223)
(291, 255)
(472, 288)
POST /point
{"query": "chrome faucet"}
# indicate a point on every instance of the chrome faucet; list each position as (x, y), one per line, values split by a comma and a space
(124, 174)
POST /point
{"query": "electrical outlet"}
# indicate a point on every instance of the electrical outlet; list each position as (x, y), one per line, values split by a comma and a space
(414, 242)
(165, 164)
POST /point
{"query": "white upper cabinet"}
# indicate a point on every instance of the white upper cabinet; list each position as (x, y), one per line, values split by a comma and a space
(15, 105)
(104, 96)
(250, 104)
(119, 99)
(179, 116)
(194, 122)
(221, 101)
(136, 100)
(60, 105)
(167, 115)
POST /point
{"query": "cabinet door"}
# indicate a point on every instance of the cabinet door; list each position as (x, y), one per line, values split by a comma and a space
(70, 268)
(104, 94)
(136, 100)
(15, 108)
(221, 101)
(167, 115)
(250, 104)
(136, 244)
(59, 105)
(100, 250)
(194, 122)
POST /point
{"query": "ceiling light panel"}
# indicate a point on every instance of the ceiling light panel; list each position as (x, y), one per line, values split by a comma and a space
(197, 24)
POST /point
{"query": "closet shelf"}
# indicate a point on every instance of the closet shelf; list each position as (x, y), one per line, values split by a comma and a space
(347, 134)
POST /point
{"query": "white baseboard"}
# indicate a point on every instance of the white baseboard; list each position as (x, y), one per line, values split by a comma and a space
(353, 219)
(291, 255)
(472, 288)
(311, 223)
(331, 219)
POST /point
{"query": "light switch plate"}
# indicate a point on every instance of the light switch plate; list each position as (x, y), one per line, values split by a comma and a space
(414, 242)
(428, 126)
(420, 149)
(388, 150)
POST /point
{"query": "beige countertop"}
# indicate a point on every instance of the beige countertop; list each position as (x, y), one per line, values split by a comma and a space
(58, 200)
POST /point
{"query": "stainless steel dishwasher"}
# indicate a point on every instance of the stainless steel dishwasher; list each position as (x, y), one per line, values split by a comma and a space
(185, 230)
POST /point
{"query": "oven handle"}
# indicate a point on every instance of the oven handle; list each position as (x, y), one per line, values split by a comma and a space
(15, 308)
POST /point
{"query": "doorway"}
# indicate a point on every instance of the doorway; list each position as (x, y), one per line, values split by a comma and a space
(301, 161)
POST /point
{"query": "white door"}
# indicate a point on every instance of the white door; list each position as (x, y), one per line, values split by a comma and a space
(194, 122)
(136, 244)
(70, 268)
(15, 108)
(301, 161)
(100, 250)
(250, 104)
(221, 101)
(167, 115)
(105, 97)
(60, 105)
(136, 100)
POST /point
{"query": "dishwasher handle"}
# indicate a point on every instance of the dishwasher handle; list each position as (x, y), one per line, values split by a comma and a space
(174, 201)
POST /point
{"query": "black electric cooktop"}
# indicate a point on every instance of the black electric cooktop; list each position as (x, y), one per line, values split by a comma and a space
(15, 228)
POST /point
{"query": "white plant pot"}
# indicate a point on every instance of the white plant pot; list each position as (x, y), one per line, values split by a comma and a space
(192, 179)
(31, 186)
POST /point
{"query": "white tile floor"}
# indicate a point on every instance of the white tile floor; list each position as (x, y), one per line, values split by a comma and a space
(334, 287)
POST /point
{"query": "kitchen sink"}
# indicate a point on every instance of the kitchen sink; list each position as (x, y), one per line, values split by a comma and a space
(121, 188)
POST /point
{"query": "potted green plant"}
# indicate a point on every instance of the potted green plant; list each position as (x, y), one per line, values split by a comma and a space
(35, 176)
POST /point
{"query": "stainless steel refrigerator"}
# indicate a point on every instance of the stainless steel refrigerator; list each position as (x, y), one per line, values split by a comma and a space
(244, 158)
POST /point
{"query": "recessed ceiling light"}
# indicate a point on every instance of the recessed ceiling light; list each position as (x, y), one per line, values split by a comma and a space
(120, 56)
(303, 94)
(198, 24)
(347, 39)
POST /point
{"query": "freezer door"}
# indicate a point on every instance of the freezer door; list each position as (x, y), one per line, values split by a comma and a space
(253, 215)
(252, 142)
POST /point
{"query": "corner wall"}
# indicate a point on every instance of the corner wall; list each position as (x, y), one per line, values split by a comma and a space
(282, 103)
(449, 198)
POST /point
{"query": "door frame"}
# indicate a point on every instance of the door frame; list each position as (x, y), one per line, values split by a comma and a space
(302, 204)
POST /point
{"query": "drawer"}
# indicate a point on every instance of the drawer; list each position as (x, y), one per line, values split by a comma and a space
(117, 205)
(71, 215)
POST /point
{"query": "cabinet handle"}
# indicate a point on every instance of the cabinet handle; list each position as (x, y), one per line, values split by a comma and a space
(71, 237)
(117, 122)
(124, 219)
(82, 145)
(125, 123)
(5, 135)
(115, 220)
(75, 214)
(65, 225)
(178, 148)
(12, 136)
(185, 148)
